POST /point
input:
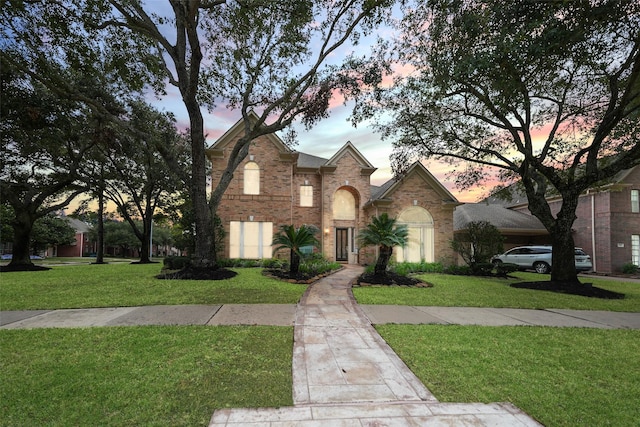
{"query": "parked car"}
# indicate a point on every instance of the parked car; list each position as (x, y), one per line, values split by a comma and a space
(538, 258)
(10, 256)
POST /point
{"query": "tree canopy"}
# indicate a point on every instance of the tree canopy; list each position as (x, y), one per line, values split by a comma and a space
(547, 93)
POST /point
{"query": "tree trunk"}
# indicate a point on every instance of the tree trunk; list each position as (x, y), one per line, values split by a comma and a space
(383, 260)
(100, 243)
(563, 271)
(295, 263)
(21, 240)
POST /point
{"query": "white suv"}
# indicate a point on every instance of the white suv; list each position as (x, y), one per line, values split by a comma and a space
(538, 258)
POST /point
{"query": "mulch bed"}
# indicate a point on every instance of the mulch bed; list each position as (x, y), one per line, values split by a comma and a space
(583, 289)
(192, 273)
(22, 267)
(389, 279)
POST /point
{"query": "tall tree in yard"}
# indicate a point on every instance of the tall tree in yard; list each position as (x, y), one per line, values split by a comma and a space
(266, 57)
(41, 154)
(547, 93)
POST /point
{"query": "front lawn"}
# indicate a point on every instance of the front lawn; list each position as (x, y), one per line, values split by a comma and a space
(560, 376)
(469, 291)
(152, 376)
(127, 285)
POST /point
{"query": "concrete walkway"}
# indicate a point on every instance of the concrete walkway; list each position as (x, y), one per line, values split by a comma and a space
(344, 374)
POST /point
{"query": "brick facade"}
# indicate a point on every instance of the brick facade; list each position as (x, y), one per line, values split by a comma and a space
(283, 173)
(604, 222)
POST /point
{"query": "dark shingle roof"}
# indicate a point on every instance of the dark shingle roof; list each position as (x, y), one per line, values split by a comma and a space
(309, 161)
(499, 216)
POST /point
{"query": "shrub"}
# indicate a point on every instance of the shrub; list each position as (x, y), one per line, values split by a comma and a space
(176, 262)
(406, 268)
(629, 268)
(482, 269)
(503, 269)
(458, 270)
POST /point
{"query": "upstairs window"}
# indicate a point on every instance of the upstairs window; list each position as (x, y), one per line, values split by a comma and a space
(635, 201)
(306, 195)
(251, 178)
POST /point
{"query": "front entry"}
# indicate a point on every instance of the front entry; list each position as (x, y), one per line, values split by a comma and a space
(342, 244)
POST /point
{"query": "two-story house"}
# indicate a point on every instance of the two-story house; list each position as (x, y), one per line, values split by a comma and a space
(277, 186)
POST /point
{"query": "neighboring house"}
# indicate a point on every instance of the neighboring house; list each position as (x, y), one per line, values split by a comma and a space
(607, 224)
(82, 245)
(517, 228)
(276, 186)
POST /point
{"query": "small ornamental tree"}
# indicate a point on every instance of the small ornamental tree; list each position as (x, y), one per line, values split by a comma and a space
(479, 241)
(384, 233)
(293, 239)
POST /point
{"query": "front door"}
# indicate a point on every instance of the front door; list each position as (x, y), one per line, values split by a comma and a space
(342, 244)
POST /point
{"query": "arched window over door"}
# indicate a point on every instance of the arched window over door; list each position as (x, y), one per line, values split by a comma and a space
(420, 246)
(344, 205)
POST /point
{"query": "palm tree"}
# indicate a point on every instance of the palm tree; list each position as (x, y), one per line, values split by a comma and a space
(384, 233)
(293, 239)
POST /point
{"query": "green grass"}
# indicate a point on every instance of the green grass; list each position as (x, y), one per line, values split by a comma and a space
(126, 285)
(560, 376)
(152, 376)
(466, 291)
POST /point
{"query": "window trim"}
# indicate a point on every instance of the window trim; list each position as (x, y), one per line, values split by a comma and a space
(635, 201)
(306, 197)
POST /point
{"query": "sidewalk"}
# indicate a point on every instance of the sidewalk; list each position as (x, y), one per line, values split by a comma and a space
(284, 315)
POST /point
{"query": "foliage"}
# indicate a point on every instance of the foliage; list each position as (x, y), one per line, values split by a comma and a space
(384, 233)
(505, 268)
(293, 239)
(405, 268)
(478, 242)
(141, 375)
(530, 367)
(51, 230)
(547, 93)
(42, 152)
(139, 180)
(458, 270)
(175, 262)
(629, 268)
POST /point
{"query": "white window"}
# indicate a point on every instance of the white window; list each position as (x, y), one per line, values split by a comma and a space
(250, 240)
(344, 205)
(635, 201)
(306, 195)
(251, 178)
(421, 239)
(635, 249)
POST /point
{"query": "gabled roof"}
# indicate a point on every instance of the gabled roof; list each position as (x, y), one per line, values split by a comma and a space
(236, 131)
(385, 191)
(505, 220)
(77, 225)
(350, 148)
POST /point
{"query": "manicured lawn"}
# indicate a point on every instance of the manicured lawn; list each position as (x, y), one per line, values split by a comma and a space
(126, 285)
(465, 291)
(152, 376)
(560, 376)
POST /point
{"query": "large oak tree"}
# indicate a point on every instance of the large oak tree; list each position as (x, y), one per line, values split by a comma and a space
(546, 93)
